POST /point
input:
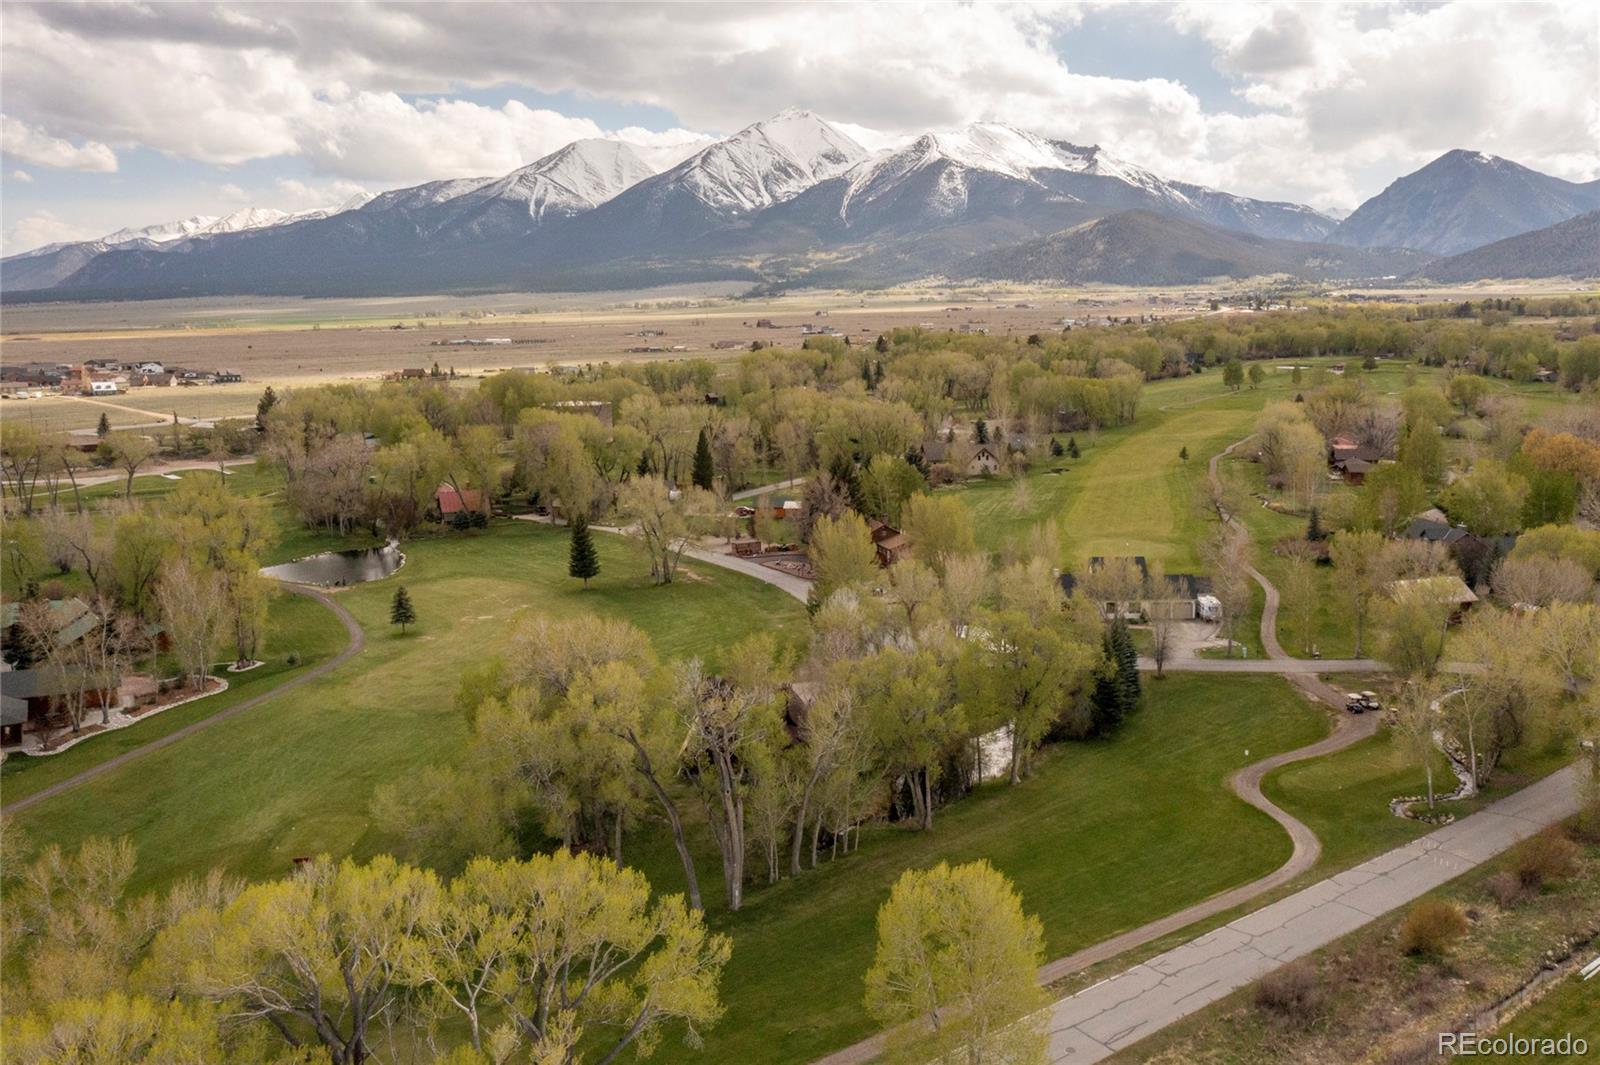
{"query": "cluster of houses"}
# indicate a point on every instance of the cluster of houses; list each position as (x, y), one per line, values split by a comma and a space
(105, 377)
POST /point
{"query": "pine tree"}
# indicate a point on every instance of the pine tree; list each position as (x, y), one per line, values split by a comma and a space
(585, 560)
(877, 373)
(981, 431)
(866, 374)
(645, 468)
(844, 473)
(1072, 447)
(103, 430)
(1129, 688)
(1314, 531)
(1183, 453)
(401, 612)
(264, 405)
(882, 345)
(704, 470)
(1056, 450)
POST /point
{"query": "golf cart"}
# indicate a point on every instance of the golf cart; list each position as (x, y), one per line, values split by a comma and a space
(1362, 702)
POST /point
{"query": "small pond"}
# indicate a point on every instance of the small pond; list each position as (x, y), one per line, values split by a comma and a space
(335, 569)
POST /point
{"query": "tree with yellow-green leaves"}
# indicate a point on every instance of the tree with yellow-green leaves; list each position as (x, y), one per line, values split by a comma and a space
(955, 969)
(842, 554)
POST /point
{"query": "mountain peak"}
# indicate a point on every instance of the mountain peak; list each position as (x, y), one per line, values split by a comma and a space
(767, 162)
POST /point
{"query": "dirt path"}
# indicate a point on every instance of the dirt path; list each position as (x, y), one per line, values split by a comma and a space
(155, 415)
(358, 641)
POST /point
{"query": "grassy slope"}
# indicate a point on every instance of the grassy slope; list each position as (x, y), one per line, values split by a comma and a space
(1573, 1007)
(295, 776)
(1092, 844)
(294, 624)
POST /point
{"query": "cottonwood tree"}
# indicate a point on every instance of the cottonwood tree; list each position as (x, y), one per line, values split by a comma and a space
(318, 956)
(1416, 720)
(842, 554)
(191, 601)
(570, 951)
(830, 731)
(1539, 581)
(660, 524)
(725, 717)
(1301, 587)
(23, 452)
(940, 527)
(1355, 554)
(129, 1030)
(1228, 558)
(955, 967)
(621, 695)
(130, 451)
(909, 700)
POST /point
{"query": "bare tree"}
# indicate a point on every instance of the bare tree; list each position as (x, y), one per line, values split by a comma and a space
(1539, 580)
(130, 451)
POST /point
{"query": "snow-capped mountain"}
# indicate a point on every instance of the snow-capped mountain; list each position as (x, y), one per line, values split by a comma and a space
(786, 198)
(1462, 200)
(579, 177)
(766, 163)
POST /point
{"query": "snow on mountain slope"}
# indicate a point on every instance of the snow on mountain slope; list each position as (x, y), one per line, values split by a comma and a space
(161, 232)
(580, 176)
(991, 148)
(766, 163)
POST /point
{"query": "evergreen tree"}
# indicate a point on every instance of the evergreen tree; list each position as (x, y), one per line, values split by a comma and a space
(1117, 692)
(1183, 453)
(585, 560)
(877, 373)
(1314, 531)
(882, 345)
(401, 612)
(1056, 450)
(1072, 447)
(866, 374)
(103, 430)
(704, 470)
(268, 400)
(844, 473)
(645, 468)
(981, 431)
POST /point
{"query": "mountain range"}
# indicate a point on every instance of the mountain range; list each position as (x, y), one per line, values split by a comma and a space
(795, 200)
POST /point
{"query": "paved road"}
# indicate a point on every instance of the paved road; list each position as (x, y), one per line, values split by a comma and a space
(765, 489)
(358, 640)
(119, 477)
(1246, 784)
(786, 582)
(1116, 1013)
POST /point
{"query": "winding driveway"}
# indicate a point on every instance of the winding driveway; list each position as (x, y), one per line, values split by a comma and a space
(358, 641)
(1246, 784)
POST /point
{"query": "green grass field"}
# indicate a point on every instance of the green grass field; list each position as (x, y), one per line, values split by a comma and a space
(295, 624)
(1571, 1008)
(295, 776)
(1092, 846)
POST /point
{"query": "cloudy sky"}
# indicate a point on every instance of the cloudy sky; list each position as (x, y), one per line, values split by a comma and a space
(130, 114)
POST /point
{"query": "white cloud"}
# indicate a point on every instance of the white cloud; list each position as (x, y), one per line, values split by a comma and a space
(38, 228)
(22, 176)
(291, 194)
(32, 145)
(1335, 99)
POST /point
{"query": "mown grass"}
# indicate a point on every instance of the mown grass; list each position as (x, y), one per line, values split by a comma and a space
(295, 624)
(1571, 1008)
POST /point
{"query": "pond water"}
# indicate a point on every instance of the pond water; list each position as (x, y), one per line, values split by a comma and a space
(334, 569)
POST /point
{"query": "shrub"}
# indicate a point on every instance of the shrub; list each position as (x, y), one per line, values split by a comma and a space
(1431, 928)
(1293, 994)
(1546, 857)
(293, 658)
(1505, 888)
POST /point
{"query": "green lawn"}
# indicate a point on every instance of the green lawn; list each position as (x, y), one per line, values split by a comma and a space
(295, 623)
(1571, 1008)
(1106, 836)
(295, 776)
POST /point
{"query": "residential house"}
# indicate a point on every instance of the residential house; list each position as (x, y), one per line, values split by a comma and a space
(1444, 589)
(1179, 601)
(1351, 461)
(451, 500)
(891, 544)
(982, 462)
(32, 693)
(595, 408)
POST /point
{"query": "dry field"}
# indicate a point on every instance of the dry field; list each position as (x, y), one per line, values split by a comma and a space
(288, 342)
